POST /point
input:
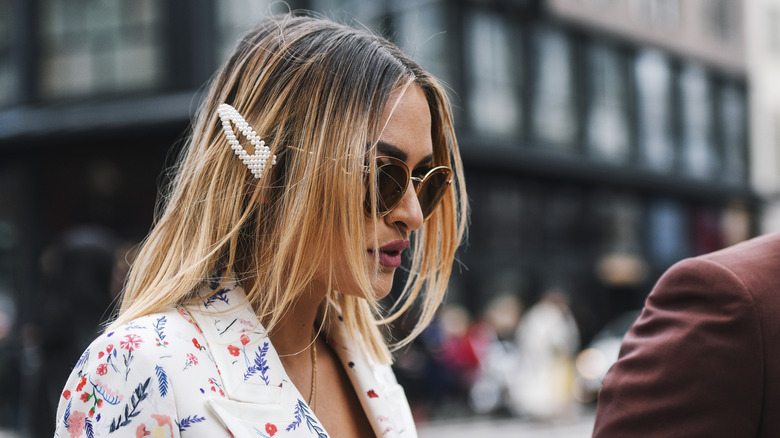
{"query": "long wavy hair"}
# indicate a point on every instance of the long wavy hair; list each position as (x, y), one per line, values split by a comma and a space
(314, 91)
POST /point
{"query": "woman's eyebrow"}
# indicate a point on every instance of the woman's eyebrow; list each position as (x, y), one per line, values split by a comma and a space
(385, 148)
(390, 150)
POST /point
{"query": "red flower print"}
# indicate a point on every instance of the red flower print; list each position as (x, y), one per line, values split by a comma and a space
(101, 354)
(191, 358)
(66, 394)
(196, 343)
(270, 429)
(100, 402)
(131, 342)
(84, 397)
(110, 348)
(102, 369)
(234, 350)
(92, 412)
(82, 382)
(244, 339)
(372, 394)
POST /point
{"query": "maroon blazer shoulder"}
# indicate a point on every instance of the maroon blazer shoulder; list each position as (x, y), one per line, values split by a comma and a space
(703, 358)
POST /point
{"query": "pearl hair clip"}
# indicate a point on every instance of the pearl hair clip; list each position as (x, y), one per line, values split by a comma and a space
(258, 160)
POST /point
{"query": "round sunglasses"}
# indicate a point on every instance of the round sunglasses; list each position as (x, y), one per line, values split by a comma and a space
(392, 179)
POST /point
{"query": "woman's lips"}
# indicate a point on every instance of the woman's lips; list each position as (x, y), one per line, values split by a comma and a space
(390, 254)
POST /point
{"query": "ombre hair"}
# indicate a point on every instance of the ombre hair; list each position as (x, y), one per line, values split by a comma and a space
(315, 92)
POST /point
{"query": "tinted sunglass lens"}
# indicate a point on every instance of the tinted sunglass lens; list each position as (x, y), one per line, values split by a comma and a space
(391, 185)
(432, 190)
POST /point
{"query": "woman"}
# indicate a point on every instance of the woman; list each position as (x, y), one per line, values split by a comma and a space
(318, 153)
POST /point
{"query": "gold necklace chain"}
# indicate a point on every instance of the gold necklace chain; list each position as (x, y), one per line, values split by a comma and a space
(313, 394)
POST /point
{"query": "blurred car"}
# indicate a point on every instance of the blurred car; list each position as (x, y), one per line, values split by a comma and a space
(594, 361)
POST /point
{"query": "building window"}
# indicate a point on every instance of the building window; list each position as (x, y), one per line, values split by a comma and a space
(553, 116)
(618, 222)
(236, 17)
(668, 234)
(357, 13)
(607, 120)
(506, 206)
(723, 19)
(699, 158)
(657, 13)
(8, 81)
(423, 33)
(773, 30)
(599, 4)
(494, 74)
(732, 127)
(775, 133)
(654, 134)
(94, 47)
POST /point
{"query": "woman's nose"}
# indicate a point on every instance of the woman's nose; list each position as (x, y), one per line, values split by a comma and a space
(408, 212)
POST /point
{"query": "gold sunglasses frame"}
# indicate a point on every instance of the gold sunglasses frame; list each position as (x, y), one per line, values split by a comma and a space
(417, 183)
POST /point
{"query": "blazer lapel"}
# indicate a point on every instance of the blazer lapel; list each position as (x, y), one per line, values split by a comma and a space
(260, 397)
(382, 398)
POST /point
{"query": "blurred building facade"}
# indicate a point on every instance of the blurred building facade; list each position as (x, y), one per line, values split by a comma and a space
(603, 140)
(763, 61)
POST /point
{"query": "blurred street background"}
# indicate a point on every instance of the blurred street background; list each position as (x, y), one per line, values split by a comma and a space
(580, 427)
(603, 140)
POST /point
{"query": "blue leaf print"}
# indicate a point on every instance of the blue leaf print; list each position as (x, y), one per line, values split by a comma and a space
(82, 359)
(159, 326)
(220, 295)
(132, 409)
(128, 360)
(311, 423)
(189, 421)
(162, 379)
(133, 325)
(261, 364)
(215, 280)
(110, 360)
(67, 414)
(110, 399)
(88, 428)
(297, 422)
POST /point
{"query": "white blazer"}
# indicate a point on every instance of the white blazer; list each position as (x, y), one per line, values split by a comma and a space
(209, 370)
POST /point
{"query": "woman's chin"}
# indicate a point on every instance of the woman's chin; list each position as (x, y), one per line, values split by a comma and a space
(383, 284)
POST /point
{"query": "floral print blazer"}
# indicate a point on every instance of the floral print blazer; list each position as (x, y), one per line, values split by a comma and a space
(209, 370)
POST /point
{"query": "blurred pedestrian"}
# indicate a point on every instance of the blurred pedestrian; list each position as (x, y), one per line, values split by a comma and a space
(76, 271)
(493, 338)
(318, 153)
(548, 340)
(10, 363)
(703, 359)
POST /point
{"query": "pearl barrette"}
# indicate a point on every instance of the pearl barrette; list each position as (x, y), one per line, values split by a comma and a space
(258, 160)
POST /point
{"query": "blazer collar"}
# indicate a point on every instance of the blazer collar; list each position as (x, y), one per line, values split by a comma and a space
(257, 388)
(380, 395)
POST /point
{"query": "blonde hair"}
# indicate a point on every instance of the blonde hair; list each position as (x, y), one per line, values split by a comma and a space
(314, 91)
